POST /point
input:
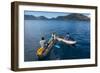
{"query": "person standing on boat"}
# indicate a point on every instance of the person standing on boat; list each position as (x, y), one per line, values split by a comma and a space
(42, 42)
(54, 36)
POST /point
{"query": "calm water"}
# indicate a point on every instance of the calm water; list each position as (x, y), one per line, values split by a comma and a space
(79, 30)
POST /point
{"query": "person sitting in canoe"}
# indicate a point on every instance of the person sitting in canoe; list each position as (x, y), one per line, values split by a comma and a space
(42, 48)
(68, 37)
(42, 42)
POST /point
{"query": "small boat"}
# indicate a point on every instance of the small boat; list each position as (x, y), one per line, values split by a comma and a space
(42, 52)
(70, 42)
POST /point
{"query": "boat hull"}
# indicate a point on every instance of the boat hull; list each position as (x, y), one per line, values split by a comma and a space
(70, 42)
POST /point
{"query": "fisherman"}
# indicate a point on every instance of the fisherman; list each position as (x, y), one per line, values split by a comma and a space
(42, 42)
(67, 36)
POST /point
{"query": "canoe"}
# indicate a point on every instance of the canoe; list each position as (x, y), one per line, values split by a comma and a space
(42, 52)
(70, 42)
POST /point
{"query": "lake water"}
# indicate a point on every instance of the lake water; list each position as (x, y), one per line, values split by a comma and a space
(79, 30)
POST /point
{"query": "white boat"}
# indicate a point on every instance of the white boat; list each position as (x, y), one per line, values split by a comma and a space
(70, 42)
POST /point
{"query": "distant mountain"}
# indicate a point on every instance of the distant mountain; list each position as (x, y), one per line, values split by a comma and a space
(31, 17)
(41, 17)
(72, 16)
(77, 16)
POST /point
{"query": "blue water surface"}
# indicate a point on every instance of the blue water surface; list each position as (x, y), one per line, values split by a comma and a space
(79, 30)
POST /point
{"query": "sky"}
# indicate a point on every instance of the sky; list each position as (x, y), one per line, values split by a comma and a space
(48, 14)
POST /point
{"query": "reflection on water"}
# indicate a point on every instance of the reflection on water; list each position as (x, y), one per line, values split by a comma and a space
(79, 30)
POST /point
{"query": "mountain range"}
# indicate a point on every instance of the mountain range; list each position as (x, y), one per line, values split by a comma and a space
(72, 16)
